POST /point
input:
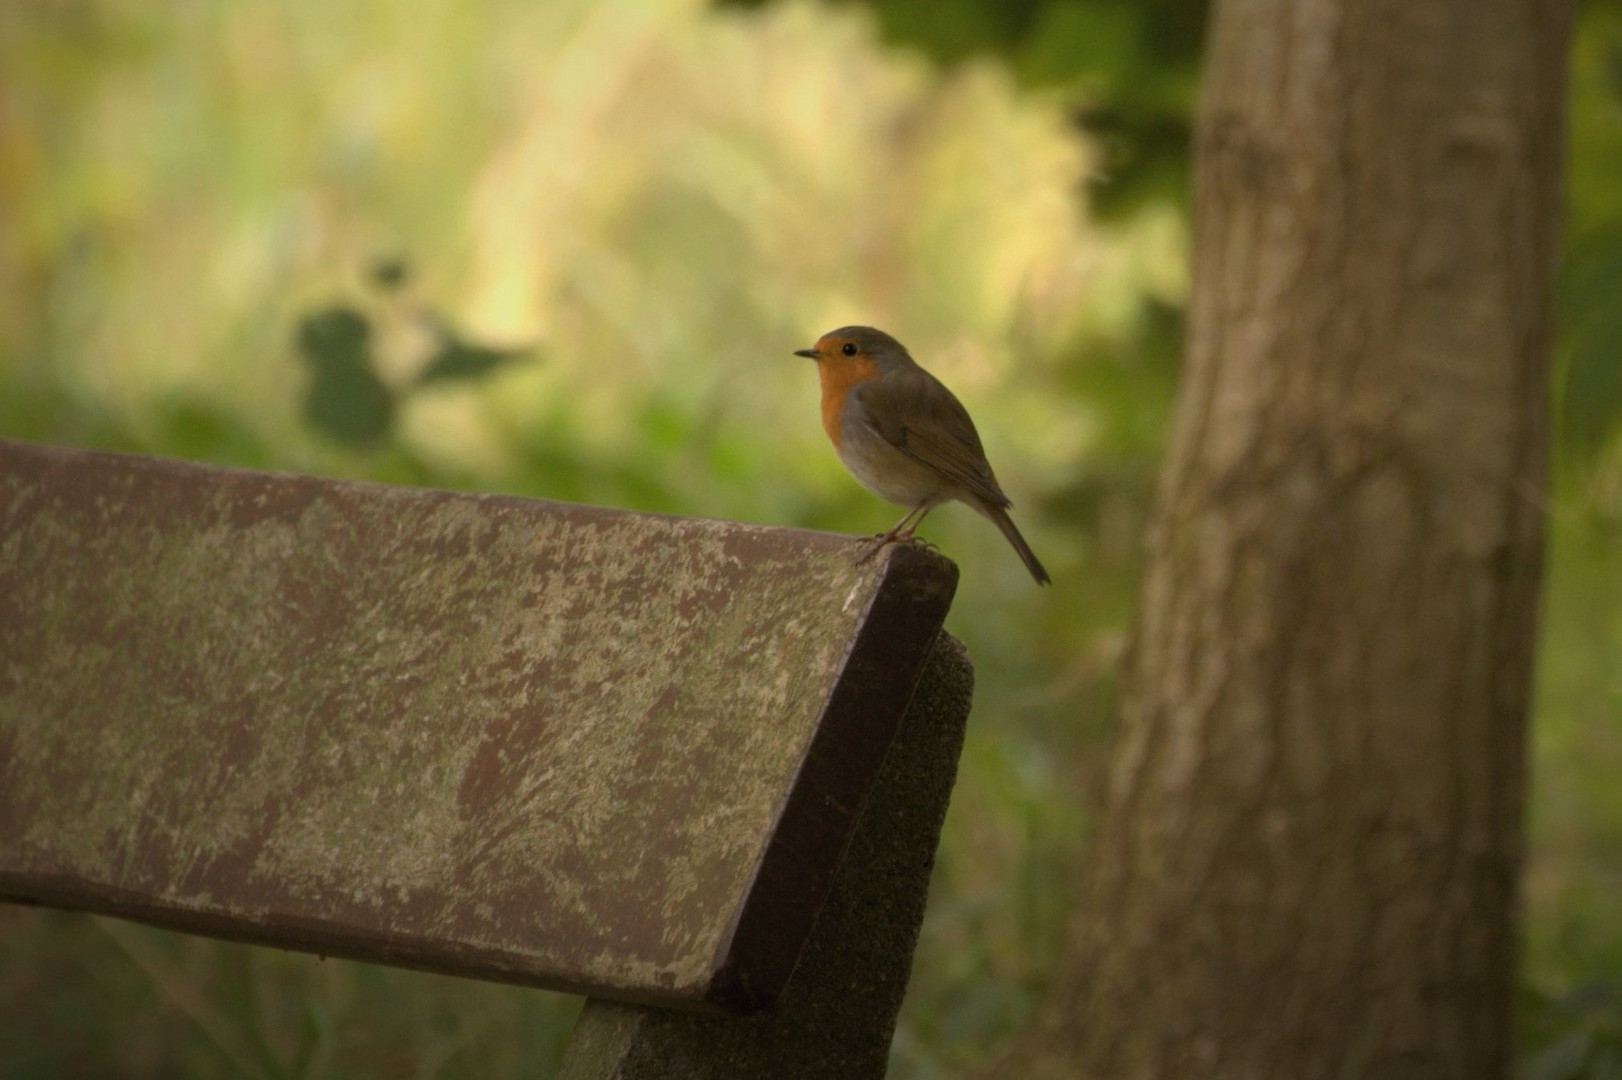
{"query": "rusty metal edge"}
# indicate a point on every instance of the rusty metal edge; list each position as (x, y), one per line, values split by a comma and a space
(814, 825)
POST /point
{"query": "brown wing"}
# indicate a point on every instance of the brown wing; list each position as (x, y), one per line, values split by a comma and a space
(915, 413)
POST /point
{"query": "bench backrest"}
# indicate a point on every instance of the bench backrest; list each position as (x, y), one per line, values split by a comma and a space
(614, 753)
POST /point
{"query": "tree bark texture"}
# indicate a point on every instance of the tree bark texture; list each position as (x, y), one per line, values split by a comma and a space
(1308, 862)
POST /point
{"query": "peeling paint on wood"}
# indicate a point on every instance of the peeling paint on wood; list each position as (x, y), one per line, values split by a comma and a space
(565, 746)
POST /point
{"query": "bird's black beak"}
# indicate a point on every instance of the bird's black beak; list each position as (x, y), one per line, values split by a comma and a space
(809, 354)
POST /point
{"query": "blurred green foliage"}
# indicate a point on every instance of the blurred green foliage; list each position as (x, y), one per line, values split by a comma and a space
(346, 398)
(1127, 71)
(620, 219)
(1576, 1035)
(1572, 1020)
(1590, 312)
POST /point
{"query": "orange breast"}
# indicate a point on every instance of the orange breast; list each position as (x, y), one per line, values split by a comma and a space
(839, 375)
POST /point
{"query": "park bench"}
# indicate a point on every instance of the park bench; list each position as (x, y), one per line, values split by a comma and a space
(692, 770)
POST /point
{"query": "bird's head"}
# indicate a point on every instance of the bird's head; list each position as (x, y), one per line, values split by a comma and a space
(857, 348)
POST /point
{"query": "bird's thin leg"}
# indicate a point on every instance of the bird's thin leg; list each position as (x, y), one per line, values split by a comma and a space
(901, 531)
(922, 512)
(895, 532)
(911, 535)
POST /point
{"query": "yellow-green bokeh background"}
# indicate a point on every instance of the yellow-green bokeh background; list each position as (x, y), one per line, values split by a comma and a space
(662, 199)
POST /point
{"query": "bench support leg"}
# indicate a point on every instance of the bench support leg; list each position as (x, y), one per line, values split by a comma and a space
(838, 1012)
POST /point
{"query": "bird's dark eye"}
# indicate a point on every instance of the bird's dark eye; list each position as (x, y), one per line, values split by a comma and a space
(849, 348)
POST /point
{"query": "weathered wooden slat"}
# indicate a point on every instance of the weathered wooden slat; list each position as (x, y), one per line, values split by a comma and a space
(835, 1019)
(556, 745)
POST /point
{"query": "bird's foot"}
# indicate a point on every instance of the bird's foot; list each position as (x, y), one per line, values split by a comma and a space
(879, 541)
(872, 546)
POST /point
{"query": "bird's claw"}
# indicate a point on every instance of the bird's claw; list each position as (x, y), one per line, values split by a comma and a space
(871, 547)
(879, 541)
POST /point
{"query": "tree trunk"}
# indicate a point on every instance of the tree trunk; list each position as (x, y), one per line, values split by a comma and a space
(1308, 862)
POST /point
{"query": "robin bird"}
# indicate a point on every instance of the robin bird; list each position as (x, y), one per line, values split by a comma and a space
(904, 436)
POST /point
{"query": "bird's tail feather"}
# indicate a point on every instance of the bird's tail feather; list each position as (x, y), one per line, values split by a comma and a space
(1000, 517)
